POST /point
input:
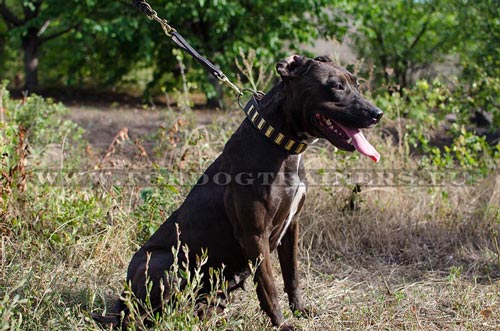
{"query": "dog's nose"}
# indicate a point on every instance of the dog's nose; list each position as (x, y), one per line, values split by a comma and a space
(377, 114)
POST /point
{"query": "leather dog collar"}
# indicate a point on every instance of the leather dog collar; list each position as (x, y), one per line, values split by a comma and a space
(290, 145)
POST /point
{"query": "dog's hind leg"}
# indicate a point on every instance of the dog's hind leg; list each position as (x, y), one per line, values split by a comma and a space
(150, 283)
(148, 279)
(151, 279)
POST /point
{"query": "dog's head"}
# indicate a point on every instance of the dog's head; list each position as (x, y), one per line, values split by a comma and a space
(326, 100)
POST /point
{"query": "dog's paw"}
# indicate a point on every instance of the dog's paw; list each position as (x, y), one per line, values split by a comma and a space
(112, 319)
(287, 327)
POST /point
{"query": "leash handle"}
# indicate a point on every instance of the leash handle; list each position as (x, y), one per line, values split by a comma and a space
(179, 40)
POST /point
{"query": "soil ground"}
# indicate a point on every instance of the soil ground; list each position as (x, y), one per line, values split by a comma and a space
(103, 121)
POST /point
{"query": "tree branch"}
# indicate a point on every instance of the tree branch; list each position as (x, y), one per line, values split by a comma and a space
(127, 4)
(9, 17)
(423, 30)
(58, 34)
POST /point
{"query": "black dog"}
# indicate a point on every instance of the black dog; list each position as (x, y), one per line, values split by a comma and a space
(238, 221)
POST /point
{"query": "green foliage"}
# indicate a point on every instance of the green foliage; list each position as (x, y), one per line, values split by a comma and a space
(43, 122)
(67, 217)
(479, 36)
(34, 138)
(111, 44)
(479, 94)
(159, 201)
(468, 150)
(109, 40)
(402, 37)
(108, 43)
(422, 116)
(424, 107)
(80, 41)
(11, 318)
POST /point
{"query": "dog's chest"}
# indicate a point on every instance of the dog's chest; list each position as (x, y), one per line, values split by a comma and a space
(293, 193)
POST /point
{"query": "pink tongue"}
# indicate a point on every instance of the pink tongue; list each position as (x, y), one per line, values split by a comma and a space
(361, 144)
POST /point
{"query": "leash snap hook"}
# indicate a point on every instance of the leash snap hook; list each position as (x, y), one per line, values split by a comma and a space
(256, 93)
(164, 24)
(226, 81)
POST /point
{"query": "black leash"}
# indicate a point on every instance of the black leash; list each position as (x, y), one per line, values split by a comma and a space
(252, 107)
(179, 40)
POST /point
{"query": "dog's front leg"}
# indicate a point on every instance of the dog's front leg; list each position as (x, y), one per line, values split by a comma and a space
(287, 253)
(258, 247)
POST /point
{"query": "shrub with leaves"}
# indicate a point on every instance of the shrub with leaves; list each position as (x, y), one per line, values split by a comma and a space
(34, 137)
(435, 121)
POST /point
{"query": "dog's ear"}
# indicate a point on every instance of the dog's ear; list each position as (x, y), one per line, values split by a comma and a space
(292, 66)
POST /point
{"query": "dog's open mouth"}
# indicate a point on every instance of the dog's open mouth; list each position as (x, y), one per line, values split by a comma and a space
(347, 139)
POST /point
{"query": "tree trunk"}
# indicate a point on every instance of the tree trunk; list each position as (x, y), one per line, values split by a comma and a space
(2, 43)
(217, 101)
(31, 42)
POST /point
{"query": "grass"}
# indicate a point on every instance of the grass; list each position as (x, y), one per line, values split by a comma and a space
(376, 258)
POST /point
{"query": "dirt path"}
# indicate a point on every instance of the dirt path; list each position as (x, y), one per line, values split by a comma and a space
(102, 123)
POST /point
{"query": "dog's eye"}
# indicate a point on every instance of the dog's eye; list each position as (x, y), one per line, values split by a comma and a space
(336, 85)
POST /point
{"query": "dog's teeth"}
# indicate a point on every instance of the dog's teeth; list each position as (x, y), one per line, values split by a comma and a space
(329, 122)
(349, 140)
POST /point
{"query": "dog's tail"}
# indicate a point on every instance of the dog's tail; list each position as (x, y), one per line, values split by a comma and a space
(114, 318)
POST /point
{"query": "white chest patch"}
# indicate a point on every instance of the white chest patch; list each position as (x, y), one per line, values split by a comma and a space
(299, 194)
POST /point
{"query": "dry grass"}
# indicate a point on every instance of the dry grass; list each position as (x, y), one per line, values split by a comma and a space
(402, 258)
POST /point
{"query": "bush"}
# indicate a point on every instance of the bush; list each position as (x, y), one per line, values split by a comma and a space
(434, 121)
(34, 137)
